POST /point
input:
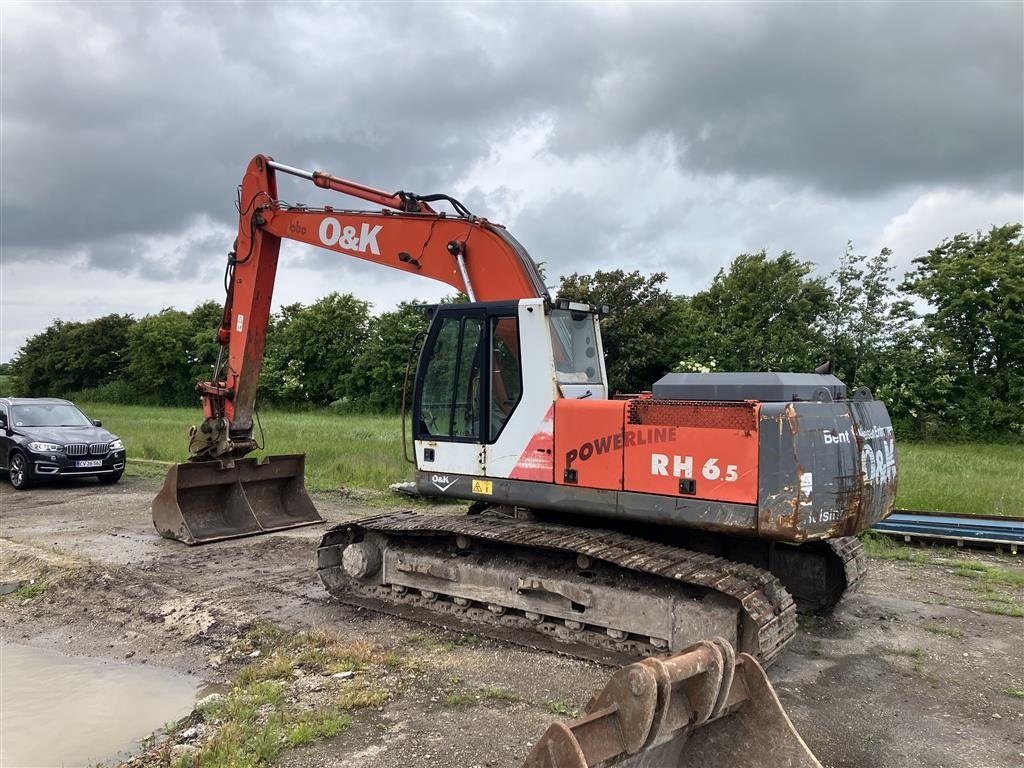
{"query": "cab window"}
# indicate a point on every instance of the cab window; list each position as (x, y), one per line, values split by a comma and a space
(450, 400)
(506, 372)
(574, 343)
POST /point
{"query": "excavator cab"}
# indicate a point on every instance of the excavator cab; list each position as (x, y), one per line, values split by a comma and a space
(489, 375)
(469, 382)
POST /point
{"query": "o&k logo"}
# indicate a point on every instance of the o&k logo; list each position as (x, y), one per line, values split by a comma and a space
(442, 482)
(333, 233)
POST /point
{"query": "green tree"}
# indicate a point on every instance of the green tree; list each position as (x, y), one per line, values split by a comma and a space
(311, 349)
(160, 367)
(378, 372)
(33, 364)
(637, 349)
(974, 285)
(761, 314)
(69, 357)
(860, 320)
(170, 351)
(915, 377)
(100, 355)
(202, 347)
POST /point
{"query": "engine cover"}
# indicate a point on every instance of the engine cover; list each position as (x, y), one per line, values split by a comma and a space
(825, 464)
(763, 386)
(804, 460)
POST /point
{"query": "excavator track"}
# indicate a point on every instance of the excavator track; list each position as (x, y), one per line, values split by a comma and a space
(851, 552)
(494, 576)
(821, 574)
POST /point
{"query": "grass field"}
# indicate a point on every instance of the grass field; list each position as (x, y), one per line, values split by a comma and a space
(354, 452)
(971, 478)
(365, 452)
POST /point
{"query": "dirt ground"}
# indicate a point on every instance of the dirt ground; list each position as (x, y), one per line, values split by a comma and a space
(908, 672)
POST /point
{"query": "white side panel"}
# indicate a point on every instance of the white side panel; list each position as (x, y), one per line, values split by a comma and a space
(461, 458)
(539, 393)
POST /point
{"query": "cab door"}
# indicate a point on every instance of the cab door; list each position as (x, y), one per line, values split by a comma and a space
(448, 416)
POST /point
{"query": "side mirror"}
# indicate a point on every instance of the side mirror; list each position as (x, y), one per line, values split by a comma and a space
(97, 423)
(3, 422)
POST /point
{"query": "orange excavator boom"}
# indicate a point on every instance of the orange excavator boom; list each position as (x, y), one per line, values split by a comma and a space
(219, 494)
(471, 254)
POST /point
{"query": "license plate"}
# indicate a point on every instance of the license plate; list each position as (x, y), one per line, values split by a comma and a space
(89, 463)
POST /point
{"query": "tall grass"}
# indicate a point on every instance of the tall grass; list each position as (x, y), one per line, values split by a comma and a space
(365, 452)
(354, 451)
(967, 478)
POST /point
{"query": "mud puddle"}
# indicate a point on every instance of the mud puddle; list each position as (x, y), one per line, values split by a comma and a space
(101, 709)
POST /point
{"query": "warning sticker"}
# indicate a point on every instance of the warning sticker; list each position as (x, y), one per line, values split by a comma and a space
(485, 487)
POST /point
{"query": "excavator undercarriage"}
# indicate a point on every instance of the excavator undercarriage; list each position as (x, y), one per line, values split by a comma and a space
(598, 594)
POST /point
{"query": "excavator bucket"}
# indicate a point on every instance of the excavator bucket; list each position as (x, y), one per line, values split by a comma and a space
(704, 707)
(213, 500)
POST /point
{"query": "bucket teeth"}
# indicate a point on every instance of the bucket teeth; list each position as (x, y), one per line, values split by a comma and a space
(214, 500)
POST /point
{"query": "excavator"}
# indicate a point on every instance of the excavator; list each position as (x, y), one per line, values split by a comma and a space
(608, 526)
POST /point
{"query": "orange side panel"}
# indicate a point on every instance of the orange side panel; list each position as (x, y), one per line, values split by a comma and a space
(722, 463)
(537, 462)
(589, 442)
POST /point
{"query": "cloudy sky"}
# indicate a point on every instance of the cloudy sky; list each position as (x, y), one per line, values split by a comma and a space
(651, 137)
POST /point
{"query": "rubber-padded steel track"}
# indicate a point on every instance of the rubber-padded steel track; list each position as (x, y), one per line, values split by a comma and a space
(850, 550)
(767, 607)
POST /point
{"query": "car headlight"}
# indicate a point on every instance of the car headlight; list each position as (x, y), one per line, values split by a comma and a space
(45, 447)
(117, 445)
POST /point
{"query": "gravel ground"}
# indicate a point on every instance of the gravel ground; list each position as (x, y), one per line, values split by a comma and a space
(908, 672)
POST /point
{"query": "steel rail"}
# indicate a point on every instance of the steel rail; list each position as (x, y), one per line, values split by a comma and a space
(962, 530)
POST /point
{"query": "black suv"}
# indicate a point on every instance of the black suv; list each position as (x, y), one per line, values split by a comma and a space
(43, 438)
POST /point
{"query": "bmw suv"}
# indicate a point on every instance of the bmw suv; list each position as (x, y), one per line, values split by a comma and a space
(44, 438)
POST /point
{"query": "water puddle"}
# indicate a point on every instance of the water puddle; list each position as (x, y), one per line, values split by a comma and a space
(74, 711)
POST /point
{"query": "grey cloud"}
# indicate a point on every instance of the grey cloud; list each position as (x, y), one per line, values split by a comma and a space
(568, 233)
(849, 98)
(574, 232)
(158, 127)
(131, 120)
(203, 256)
(200, 256)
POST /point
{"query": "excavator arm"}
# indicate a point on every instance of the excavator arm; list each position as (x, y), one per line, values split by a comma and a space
(467, 252)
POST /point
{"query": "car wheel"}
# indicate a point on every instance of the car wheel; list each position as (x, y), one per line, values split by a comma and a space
(109, 479)
(17, 471)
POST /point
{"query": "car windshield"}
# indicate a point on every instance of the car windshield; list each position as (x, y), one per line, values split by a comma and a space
(48, 415)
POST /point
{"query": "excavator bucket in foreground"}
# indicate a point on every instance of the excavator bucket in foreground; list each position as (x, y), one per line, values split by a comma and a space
(702, 708)
(212, 500)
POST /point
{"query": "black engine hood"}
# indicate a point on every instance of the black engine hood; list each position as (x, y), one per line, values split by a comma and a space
(65, 435)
